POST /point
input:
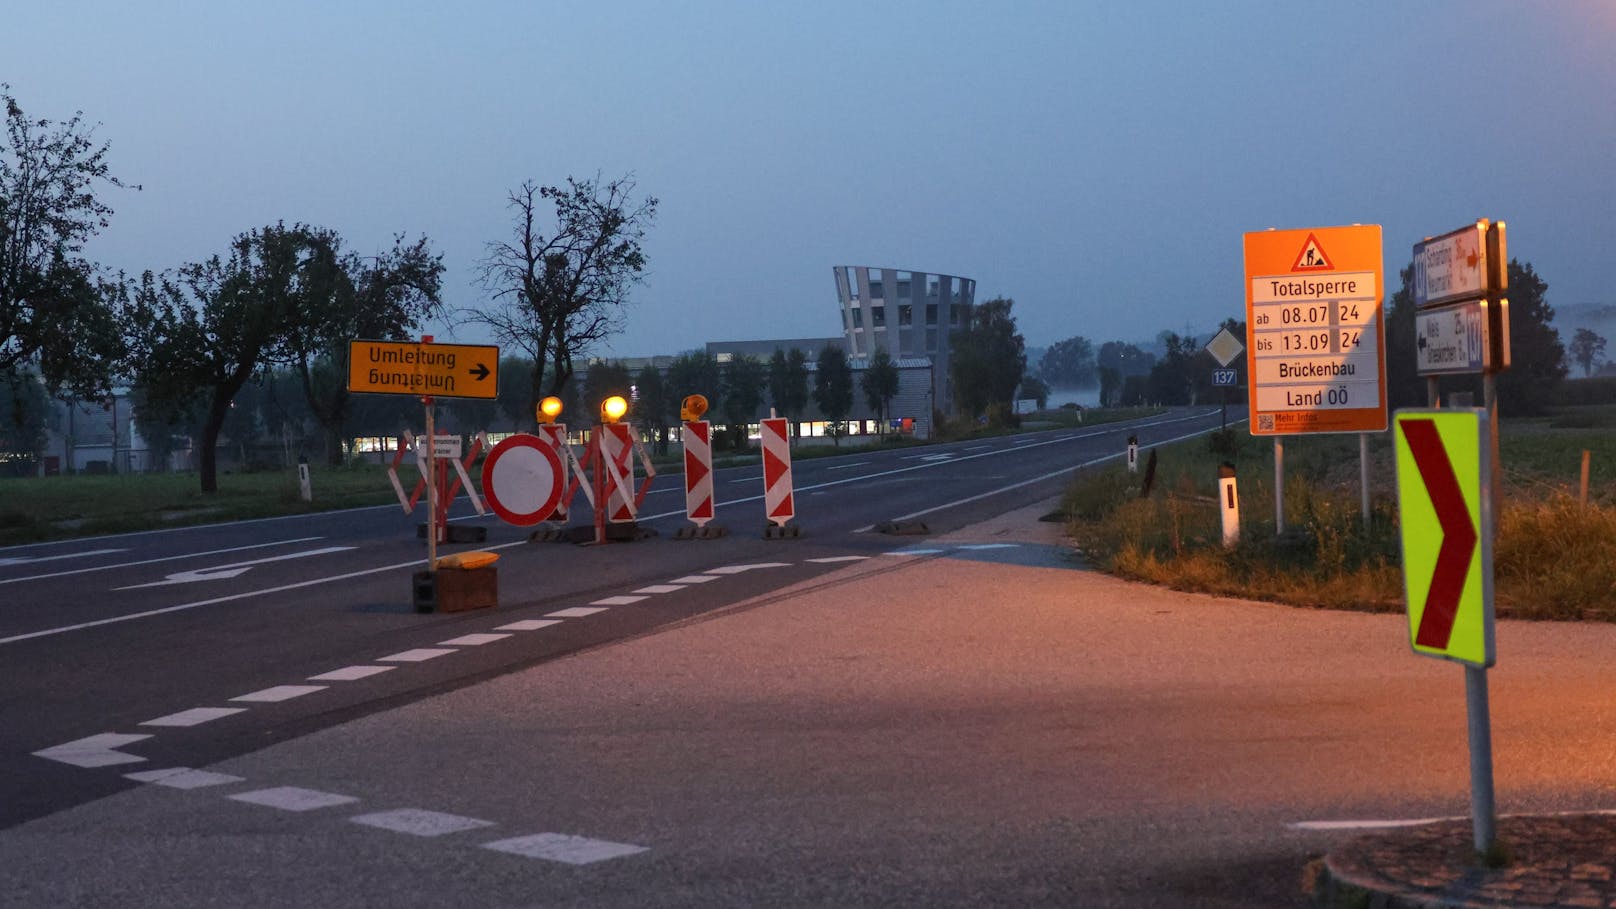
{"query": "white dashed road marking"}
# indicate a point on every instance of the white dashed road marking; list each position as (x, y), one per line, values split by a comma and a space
(832, 559)
(661, 588)
(615, 601)
(576, 612)
(183, 778)
(418, 655)
(474, 640)
(417, 822)
(528, 625)
(196, 716)
(695, 579)
(95, 751)
(911, 552)
(989, 546)
(292, 798)
(279, 693)
(350, 673)
(558, 847)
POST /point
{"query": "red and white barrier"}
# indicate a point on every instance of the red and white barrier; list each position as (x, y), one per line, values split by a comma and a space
(617, 450)
(698, 438)
(778, 504)
(556, 435)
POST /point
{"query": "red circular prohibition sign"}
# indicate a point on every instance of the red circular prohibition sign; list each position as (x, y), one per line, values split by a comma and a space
(522, 479)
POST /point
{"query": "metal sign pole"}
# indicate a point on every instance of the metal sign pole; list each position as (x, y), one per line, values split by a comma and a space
(1483, 816)
(1363, 474)
(431, 488)
(1279, 485)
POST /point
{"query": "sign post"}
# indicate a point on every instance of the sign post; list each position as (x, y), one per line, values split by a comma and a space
(1224, 347)
(1445, 504)
(1317, 359)
(426, 369)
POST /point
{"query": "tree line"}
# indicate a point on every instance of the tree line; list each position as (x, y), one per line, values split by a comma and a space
(279, 304)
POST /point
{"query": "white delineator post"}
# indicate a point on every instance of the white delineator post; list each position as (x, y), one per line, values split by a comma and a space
(1133, 454)
(698, 472)
(1228, 506)
(778, 505)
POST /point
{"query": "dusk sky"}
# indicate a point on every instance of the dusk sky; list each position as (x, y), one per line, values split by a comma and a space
(1096, 162)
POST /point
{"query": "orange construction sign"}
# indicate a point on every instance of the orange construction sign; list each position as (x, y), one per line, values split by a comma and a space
(1316, 360)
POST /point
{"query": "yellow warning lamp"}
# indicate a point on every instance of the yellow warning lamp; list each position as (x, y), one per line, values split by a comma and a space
(549, 409)
(692, 408)
(612, 409)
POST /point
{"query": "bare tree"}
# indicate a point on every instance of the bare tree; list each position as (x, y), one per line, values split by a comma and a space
(557, 292)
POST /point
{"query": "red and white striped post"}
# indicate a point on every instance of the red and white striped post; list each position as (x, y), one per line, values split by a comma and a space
(556, 435)
(698, 437)
(617, 452)
(779, 506)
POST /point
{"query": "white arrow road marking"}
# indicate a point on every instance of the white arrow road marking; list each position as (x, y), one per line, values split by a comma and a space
(172, 558)
(29, 560)
(95, 751)
(222, 572)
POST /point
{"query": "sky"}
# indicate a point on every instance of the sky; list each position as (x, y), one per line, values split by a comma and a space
(1096, 162)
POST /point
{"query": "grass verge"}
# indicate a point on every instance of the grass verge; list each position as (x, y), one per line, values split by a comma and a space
(1554, 557)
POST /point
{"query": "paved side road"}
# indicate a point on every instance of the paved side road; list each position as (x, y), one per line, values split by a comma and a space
(974, 721)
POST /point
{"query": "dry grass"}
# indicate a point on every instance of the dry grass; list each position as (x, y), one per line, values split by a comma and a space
(1554, 558)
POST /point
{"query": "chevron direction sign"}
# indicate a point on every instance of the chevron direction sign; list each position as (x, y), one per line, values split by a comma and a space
(1445, 509)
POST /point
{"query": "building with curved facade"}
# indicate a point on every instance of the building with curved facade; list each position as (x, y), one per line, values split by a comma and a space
(910, 313)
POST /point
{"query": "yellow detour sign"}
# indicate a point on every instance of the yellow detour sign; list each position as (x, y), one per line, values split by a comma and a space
(1445, 506)
(1316, 345)
(413, 368)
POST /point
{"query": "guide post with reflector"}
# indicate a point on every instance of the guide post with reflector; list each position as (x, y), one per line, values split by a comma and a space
(1228, 506)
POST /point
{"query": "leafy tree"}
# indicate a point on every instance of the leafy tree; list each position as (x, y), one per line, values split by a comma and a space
(695, 373)
(653, 408)
(1587, 350)
(557, 293)
(384, 297)
(603, 380)
(1069, 363)
(744, 377)
(1404, 386)
(880, 385)
(1173, 380)
(833, 389)
(1110, 386)
(515, 387)
(213, 325)
(55, 311)
(988, 357)
(25, 411)
(788, 384)
(1537, 358)
(1126, 359)
(1035, 389)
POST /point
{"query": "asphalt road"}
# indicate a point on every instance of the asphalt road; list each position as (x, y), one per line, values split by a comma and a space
(967, 719)
(126, 634)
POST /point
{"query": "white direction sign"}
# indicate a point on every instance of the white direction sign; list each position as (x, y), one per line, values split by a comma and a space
(1452, 266)
(1451, 339)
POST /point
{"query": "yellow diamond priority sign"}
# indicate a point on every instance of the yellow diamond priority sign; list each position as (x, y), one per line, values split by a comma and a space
(1445, 508)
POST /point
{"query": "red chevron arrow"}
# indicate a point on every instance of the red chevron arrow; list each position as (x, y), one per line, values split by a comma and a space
(1458, 533)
